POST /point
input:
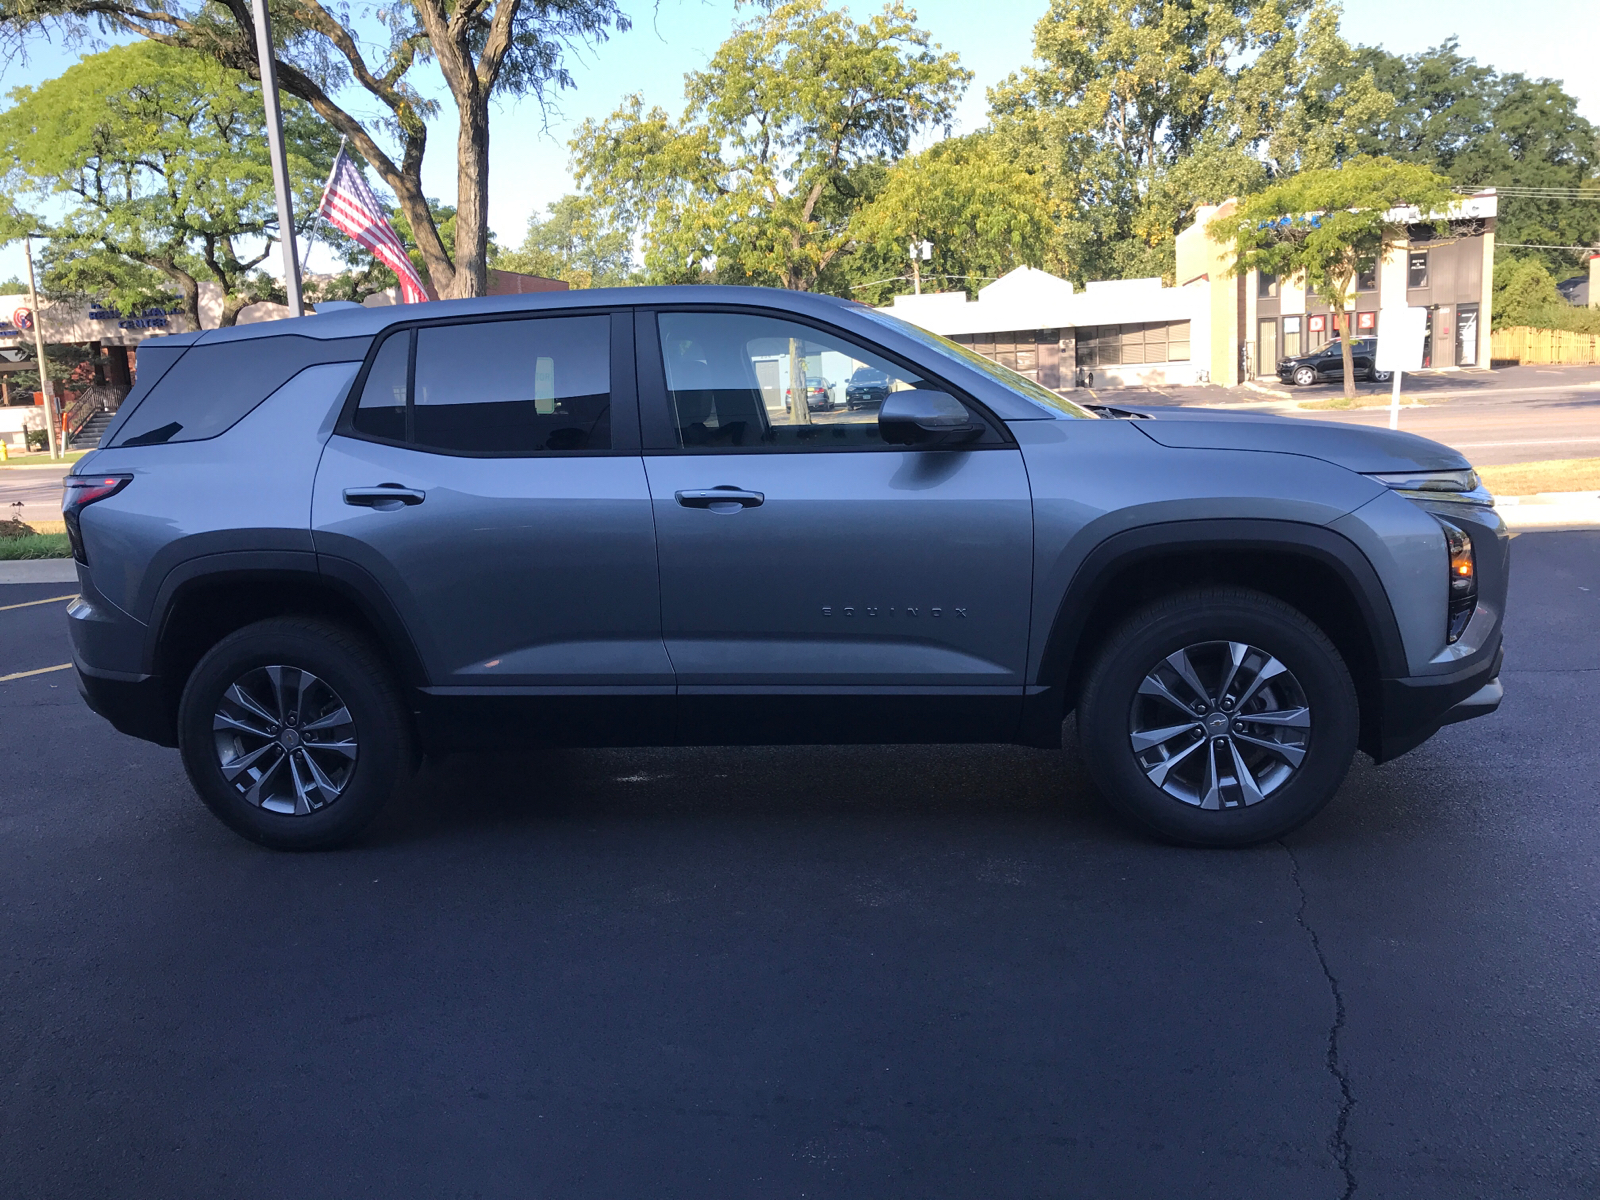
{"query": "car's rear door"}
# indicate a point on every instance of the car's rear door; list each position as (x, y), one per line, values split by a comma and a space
(487, 481)
(817, 583)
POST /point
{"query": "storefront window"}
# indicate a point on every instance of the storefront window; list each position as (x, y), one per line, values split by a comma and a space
(1291, 337)
(1417, 269)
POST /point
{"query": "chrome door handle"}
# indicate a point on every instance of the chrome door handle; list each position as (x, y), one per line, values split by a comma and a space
(718, 497)
(385, 496)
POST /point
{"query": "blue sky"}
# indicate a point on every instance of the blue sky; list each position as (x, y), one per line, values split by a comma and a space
(528, 161)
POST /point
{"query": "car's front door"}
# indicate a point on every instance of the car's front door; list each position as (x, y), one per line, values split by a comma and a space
(489, 483)
(817, 583)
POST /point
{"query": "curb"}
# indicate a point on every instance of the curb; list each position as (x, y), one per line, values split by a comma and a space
(1550, 511)
(39, 570)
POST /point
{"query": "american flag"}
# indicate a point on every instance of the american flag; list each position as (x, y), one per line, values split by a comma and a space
(350, 207)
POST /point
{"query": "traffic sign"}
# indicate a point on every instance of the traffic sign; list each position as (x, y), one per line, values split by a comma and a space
(1400, 335)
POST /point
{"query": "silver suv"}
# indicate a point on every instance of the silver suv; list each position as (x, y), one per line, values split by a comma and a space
(313, 550)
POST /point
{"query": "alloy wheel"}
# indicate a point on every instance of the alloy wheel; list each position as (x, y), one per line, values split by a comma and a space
(1220, 725)
(284, 740)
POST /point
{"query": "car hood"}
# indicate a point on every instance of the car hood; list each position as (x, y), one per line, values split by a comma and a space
(1360, 448)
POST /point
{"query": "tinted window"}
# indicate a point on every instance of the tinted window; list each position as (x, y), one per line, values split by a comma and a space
(382, 411)
(513, 387)
(742, 383)
(210, 388)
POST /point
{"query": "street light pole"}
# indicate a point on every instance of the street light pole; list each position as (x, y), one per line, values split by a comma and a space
(38, 351)
(280, 163)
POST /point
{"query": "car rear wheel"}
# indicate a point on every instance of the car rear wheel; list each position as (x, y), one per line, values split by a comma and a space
(1305, 376)
(1218, 717)
(294, 733)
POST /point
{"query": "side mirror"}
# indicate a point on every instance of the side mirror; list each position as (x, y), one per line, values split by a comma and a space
(925, 418)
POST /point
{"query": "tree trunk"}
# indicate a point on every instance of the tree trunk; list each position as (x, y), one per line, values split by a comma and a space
(472, 200)
(232, 305)
(1345, 353)
(186, 286)
(799, 402)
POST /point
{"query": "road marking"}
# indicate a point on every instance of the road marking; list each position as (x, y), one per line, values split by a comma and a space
(40, 671)
(31, 603)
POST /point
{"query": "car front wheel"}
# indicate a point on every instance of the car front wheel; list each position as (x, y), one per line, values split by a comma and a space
(294, 733)
(1305, 376)
(1218, 717)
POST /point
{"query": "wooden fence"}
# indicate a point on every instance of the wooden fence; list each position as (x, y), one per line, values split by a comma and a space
(1553, 346)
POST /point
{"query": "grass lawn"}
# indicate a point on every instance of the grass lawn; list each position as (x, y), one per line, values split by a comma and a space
(40, 545)
(1552, 475)
(42, 460)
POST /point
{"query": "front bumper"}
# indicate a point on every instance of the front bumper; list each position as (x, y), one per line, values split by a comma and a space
(1417, 708)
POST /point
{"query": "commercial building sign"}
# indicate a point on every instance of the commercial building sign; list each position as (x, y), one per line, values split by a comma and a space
(88, 322)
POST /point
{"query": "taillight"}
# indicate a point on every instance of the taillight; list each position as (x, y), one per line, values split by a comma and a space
(82, 491)
(1463, 580)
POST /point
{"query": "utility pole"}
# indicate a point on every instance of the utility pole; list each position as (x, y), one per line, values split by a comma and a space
(280, 163)
(38, 350)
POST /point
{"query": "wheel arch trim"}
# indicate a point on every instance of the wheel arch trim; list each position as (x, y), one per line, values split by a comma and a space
(344, 580)
(1148, 543)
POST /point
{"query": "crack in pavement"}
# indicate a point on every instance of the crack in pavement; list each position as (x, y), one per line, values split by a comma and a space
(1338, 1141)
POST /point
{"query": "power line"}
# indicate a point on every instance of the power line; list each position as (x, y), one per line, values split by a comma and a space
(1541, 246)
(1537, 193)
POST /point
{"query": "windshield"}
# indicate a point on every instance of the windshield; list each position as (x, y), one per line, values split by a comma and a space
(1004, 375)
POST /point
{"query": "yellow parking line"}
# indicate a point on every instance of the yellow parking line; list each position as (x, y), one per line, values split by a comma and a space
(31, 603)
(40, 671)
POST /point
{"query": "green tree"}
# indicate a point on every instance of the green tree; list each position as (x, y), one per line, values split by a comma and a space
(571, 242)
(782, 136)
(1483, 129)
(1135, 110)
(1326, 224)
(147, 169)
(483, 49)
(983, 214)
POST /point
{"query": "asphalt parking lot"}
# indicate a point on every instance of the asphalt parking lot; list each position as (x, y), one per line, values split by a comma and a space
(860, 972)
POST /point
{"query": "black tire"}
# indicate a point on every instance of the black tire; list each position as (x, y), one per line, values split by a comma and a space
(358, 678)
(1106, 713)
(1305, 376)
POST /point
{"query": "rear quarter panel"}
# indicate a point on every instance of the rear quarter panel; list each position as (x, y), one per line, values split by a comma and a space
(247, 489)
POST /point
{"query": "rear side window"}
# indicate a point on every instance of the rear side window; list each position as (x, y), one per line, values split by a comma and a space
(493, 387)
(209, 389)
(382, 411)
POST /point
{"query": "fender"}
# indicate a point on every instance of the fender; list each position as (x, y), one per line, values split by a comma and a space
(1310, 542)
(344, 579)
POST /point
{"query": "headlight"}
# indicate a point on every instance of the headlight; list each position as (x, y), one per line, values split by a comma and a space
(1463, 580)
(1453, 487)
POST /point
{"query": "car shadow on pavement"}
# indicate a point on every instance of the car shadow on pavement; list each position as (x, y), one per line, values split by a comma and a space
(466, 793)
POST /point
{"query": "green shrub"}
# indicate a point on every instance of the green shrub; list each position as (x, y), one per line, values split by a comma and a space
(38, 545)
(38, 439)
(1525, 294)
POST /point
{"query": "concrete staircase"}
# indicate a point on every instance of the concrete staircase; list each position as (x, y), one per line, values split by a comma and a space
(88, 437)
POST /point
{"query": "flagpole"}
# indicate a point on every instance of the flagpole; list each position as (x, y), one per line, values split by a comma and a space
(311, 237)
(280, 164)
